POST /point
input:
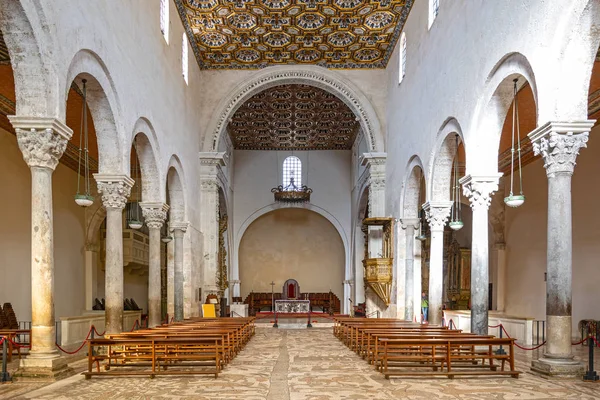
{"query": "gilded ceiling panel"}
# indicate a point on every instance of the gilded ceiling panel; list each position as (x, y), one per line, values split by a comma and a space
(341, 34)
(298, 117)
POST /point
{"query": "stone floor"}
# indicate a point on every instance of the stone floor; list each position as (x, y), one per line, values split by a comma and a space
(305, 365)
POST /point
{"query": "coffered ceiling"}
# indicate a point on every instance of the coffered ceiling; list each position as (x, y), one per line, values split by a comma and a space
(342, 34)
(295, 117)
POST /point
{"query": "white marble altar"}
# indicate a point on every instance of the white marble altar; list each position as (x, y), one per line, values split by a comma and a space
(292, 306)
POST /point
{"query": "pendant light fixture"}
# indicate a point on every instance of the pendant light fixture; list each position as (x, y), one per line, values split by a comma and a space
(84, 199)
(164, 234)
(515, 200)
(421, 236)
(134, 221)
(456, 223)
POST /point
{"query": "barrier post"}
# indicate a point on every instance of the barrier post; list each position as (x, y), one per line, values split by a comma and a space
(309, 325)
(590, 375)
(5, 375)
(500, 351)
(275, 324)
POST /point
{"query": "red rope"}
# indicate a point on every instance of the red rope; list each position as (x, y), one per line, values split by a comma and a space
(3, 339)
(98, 333)
(92, 328)
(137, 322)
(584, 339)
(516, 344)
(494, 326)
(18, 344)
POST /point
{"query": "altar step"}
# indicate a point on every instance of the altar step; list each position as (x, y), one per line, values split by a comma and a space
(296, 321)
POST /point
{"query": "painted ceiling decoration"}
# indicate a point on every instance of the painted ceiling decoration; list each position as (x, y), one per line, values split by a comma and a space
(239, 34)
(298, 117)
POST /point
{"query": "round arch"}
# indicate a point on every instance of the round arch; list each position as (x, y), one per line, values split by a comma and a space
(484, 140)
(21, 25)
(440, 162)
(104, 106)
(146, 143)
(409, 197)
(297, 74)
(175, 180)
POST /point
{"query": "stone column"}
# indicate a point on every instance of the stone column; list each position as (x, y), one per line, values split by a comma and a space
(178, 229)
(115, 190)
(235, 288)
(42, 142)
(155, 215)
(375, 164)
(479, 190)
(559, 144)
(210, 170)
(409, 225)
(437, 214)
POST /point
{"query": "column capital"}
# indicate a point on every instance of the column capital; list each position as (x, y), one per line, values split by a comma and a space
(155, 214)
(41, 140)
(213, 158)
(115, 189)
(437, 214)
(235, 281)
(406, 222)
(479, 189)
(559, 144)
(373, 159)
(178, 226)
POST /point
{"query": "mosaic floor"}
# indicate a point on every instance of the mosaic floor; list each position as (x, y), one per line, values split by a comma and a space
(305, 365)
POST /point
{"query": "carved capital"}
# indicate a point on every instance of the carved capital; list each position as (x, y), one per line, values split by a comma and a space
(178, 227)
(41, 140)
(559, 143)
(155, 214)
(115, 189)
(479, 189)
(406, 222)
(437, 214)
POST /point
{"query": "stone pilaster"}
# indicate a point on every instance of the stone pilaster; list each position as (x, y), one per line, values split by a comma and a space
(559, 144)
(437, 214)
(235, 287)
(479, 190)
(115, 190)
(42, 142)
(178, 229)
(210, 169)
(409, 225)
(155, 215)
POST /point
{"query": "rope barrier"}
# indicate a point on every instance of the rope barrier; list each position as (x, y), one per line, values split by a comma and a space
(136, 323)
(494, 326)
(3, 339)
(18, 345)
(516, 344)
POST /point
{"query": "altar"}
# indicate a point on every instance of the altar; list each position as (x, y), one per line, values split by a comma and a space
(292, 306)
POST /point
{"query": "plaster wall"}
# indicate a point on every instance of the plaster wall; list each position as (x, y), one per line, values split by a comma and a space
(15, 236)
(447, 73)
(256, 172)
(526, 232)
(292, 243)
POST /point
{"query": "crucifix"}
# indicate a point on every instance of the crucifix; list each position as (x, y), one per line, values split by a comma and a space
(272, 296)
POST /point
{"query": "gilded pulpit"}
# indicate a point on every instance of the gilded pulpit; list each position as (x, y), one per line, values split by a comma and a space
(378, 269)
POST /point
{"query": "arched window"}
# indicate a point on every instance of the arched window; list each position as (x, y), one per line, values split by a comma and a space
(292, 172)
(402, 61)
(184, 57)
(434, 7)
(164, 19)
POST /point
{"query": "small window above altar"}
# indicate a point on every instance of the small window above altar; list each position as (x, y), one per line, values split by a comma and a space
(292, 172)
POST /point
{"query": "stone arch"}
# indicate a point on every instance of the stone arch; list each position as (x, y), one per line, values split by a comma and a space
(440, 163)
(104, 106)
(148, 153)
(21, 25)
(483, 141)
(297, 74)
(176, 193)
(576, 44)
(409, 201)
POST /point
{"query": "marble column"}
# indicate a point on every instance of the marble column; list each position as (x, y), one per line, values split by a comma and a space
(437, 213)
(559, 144)
(409, 225)
(210, 171)
(178, 229)
(115, 190)
(42, 142)
(155, 215)
(479, 190)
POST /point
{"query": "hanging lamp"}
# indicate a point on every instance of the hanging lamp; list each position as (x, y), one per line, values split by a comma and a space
(456, 223)
(84, 199)
(134, 221)
(165, 237)
(421, 236)
(515, 200)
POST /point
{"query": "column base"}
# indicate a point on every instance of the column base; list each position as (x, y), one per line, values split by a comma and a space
(43, 368)
(558, 368)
